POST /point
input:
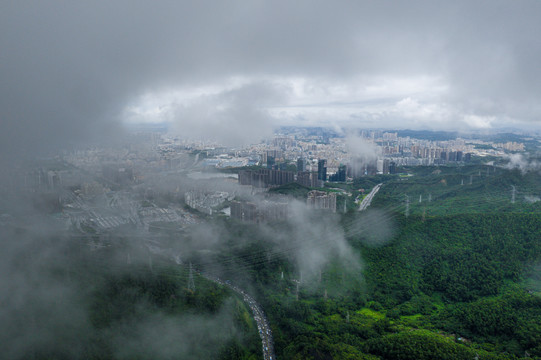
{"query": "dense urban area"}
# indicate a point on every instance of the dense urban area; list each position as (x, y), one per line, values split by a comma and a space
(308, 157)
(312, 244)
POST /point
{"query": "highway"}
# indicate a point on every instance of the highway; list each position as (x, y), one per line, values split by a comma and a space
(263, 327)
(368, 199)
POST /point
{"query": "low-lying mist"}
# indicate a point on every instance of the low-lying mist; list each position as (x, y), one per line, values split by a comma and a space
(56, 259)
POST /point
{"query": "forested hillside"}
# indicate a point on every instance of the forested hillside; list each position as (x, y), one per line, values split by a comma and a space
(451, 287)
(456, 279)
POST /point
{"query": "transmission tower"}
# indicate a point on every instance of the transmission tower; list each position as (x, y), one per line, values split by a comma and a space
(297, 282)
(513, 191)
(347, 317)
(420, 198)
(191, 284)
(407, 206)
(462, 182)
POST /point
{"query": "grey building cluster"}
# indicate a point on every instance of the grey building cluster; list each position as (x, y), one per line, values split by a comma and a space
(308, 179)
(40, 179)
(361, 167)
(266, 177)
(340, 175)
(117, 174)
(270, 157)
(205, 202)
(264, 211)
(321, 200)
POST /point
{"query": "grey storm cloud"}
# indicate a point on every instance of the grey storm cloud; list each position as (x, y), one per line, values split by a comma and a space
(68, 69)
(233, 117)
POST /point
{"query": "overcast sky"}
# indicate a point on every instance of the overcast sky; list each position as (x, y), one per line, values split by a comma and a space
(74, 69)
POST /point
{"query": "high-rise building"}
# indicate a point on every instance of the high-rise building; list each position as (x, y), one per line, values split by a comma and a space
(53, 179)
(371, 168)
(301, 164)
(322, 169)
(444, 156)
(392, 167)
(279, 177)
(245, 177)
(265, 177)
(244, 211)
(262, 212)
(307, 178)
(270, 161)
(321, 200)
(340, 175)
(386, 166)
(379, 165)
(342, 171)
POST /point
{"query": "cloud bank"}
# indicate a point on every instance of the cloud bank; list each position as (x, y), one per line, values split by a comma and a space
(70, 71)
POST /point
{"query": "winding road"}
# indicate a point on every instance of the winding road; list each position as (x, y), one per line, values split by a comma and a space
(263, 327)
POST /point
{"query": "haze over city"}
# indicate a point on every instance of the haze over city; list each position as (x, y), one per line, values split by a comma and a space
(276, 180)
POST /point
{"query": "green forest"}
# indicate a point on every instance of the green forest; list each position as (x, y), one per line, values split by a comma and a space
(447, 287)
(456, 275)
(459, 279)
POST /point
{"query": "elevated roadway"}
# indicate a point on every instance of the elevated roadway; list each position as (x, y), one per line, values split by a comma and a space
(368, 199)
(263, 327)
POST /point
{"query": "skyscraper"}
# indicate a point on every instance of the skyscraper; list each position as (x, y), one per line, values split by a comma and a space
(322, 169)
(340, 175)
(301, 164)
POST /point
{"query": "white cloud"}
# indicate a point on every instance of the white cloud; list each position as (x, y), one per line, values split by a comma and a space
(233, 113)
(419, 101)
(479, 122)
